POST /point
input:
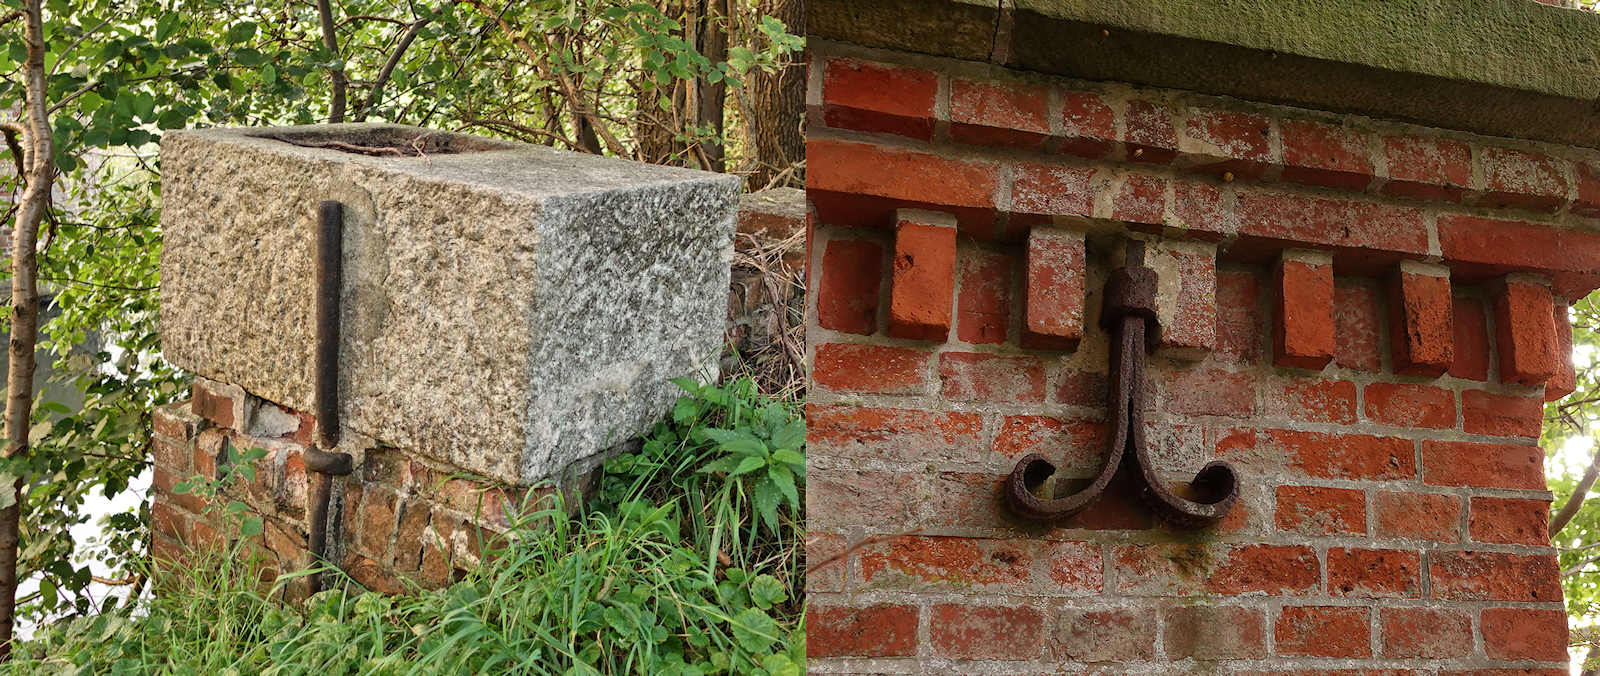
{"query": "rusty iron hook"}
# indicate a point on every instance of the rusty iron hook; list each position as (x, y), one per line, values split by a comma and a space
(1129, 313)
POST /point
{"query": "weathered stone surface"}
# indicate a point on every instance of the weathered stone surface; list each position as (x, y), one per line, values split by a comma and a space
(510, 309)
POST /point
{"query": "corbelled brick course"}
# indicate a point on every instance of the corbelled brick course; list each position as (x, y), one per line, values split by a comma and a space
(1363, 317)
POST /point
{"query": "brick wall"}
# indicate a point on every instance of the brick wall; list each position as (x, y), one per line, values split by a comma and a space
(1364, 318)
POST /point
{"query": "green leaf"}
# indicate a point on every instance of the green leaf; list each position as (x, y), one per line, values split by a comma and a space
(240, 32)
(791, 435)
(766, 591)
(251, 526)
(748, 465)
(754, 630)
(784, 479)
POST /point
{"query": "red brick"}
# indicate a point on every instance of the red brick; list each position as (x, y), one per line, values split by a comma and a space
(1192, 330)
(1460, 463)
(1199, 206)
(1088, 124)
(1525, 634)
(1148, 133)
(985, 632)
(1314, 510)
(1105, 635)
(922, 288)
(999, 113)
(1418, 516)
(1427, 168)
(956, 500)
(1081, 388)
(1269, 569)
(1076, 447)
(1303, 317)
(1325, 155)
(1374, 573)
(1228, 141)
(1215, 633)
(1208, 391)
(826, 562)
(1140, 199)
(1565, 380)
(969, 376)
(1323, 456)
(1422, 331)
(169, 422)
(1407, 405)
(1053, 190)
(1322, 631)
(1510, 521)
(879, 98)
(1162, 569)
(1432, 633)
(1471, 340)
(1521, 179)
(897, 174)
(871, 368)
(1053, 309)
(1311, 220)
(841, 498)
(1317, 400)
(1499, 242)
(852, 273)
(1494, 576)
(1510, 672)
(217, 402)
(1588, 201)
(175, 457)
(982, 565)
(1525, 332)
(167, 520)
(1501, 415)
(880, 630)
(893, 434)
(1356, 322)
(983, 306)
(1238, 322)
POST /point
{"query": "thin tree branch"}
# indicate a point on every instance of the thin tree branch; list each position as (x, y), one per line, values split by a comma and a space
(331, 42)
(388, 68)
(1579, 493)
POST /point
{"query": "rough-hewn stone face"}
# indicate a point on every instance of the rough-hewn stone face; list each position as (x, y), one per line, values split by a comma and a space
(512, 310)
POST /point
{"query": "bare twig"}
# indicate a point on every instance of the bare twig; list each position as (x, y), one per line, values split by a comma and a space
(858, 544)
(331, 42)
(388, 68)
(1579, 493)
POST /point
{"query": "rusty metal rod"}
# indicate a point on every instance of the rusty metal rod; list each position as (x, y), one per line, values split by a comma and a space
(326, 464)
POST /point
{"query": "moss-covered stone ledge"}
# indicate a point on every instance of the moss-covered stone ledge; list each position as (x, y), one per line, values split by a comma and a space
(1514, 68)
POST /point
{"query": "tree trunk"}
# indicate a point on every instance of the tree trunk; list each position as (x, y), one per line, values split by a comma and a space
(655, 126)
(777, 105)
(714, 16)
(39, 156)
(331, 41)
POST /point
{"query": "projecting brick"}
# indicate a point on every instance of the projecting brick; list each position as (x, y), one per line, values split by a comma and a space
(983, 306)
(922, 288)
(1325, 155)
(1471, 340)
(967, 376)
(1565, 380)
(1053, 308)
(1510, 521)
(848, 167)
(1012, 114)
(1427, 168)
(1408, 405)
(1215, 633)
(1088, 124)
(1140, 199)
(876, 97)
(981, 565)
(1217, 141)
(1460, 463)
(1322, 631)
(1148, 133)
(1494, 576)
(893, 434)
(1421, 326)
(1374, 573)
(1053, 190)
(1525, 634)
(1321, 221)
(1315, 510)
(871, 368)
(985, 632)
(1303, 317)
(881, 630)
(1501, 415)
(1516, 178)
(1408, 633)
(1588, 201)
(1105, 635)
(1316, 400)
(1198, 206)
(852, 272)
(1525, 331)
(221, 403)
(1356, 322)
(1418, 516)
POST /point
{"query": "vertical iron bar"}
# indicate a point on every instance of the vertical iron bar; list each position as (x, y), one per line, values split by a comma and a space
(326, 464)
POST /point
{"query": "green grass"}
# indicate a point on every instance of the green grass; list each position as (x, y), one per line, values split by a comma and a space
(688, 561)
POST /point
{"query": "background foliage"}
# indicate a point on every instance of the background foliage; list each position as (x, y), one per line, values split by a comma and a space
(666, 81)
